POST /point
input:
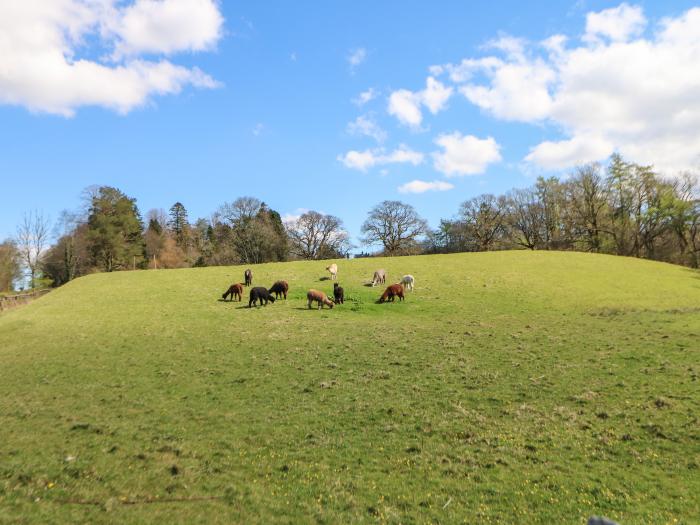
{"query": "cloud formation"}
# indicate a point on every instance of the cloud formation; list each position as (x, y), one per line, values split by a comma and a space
(406, 105)
(365, 125)
(622, 87)
(356, 57)
(464, 155)
(365, 97)
(421, 186)
(364, 160)
(617, 24)
(58, 56)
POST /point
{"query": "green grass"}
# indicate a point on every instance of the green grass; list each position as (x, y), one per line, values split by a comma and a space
(510, 387)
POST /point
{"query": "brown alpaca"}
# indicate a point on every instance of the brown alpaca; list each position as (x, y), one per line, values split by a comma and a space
(248, 276)
(235, 290)
(280, 288)
(391, 292)
(320, 298)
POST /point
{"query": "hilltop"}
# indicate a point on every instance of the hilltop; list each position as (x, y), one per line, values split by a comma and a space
(510, 387)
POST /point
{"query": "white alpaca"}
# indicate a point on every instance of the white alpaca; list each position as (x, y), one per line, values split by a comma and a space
(333, 268)
(407, 281)
(379, 277)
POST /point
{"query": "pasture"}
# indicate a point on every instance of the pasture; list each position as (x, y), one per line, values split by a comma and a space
(509, 387)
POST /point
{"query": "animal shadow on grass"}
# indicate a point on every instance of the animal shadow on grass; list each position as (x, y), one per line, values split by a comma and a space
(245, 306)
(325, 278)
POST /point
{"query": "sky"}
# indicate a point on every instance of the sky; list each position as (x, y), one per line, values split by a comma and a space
(335, 106)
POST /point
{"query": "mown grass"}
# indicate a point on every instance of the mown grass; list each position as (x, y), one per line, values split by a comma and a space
(510, 387)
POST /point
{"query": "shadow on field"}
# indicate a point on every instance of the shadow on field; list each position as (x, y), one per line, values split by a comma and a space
(325, 278)
(314, 309)
(246, 307)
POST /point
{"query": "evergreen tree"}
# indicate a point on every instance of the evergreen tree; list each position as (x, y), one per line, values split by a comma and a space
(178, 223)
(115, 230)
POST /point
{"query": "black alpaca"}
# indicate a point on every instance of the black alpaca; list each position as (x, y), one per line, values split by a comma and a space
(260, 293)
(338, 293)
(279, 288)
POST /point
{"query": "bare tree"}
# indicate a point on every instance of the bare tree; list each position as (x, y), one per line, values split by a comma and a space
(241, 210)
(397, 226)
(588, 201)
(159, 216)
(484, 217)
(317, 236)
(32, 239)
(525, 218)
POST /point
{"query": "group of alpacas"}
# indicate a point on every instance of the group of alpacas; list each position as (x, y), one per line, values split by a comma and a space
(280, 288)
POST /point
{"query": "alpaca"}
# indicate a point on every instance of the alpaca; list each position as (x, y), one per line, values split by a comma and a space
(235, 291)
(392, 291)
(379, 277)
(280, 288)
(333, 269)
(338, 293)
(320, 298)
(261, 294)
(408, 282)
(248, 277)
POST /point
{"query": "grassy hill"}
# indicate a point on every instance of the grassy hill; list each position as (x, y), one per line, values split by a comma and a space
(510, 387)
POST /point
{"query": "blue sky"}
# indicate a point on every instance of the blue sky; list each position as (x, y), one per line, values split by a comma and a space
(268, 111)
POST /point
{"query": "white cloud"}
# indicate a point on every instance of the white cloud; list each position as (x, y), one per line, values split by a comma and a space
(46, 50)
(421, 186)
(365, 97)
(613, 90)
(518, 91)
(258, 129)
(618, 23)
(364, 160)
(366, 125)
(289, 218)
(565, 153)
(509, 44)
(465, 155)
(166, 27)
(357, 57)
(435, 95)
(405, 105)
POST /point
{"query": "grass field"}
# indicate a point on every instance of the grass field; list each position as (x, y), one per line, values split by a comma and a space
(510, 387)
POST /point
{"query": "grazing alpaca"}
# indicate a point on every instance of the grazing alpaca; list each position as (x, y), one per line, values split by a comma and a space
(320, 298)
(392, 291)
(379, 277)
(280, 288)
(408, 282)
(235, 290)
(333, 268)
(248, 277)
(338, 293)
(259, 293)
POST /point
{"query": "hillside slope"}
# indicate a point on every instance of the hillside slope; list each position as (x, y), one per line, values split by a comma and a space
(510, 387)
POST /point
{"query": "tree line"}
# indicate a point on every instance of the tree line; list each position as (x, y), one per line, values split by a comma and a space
(626, 209)
(623, 209)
